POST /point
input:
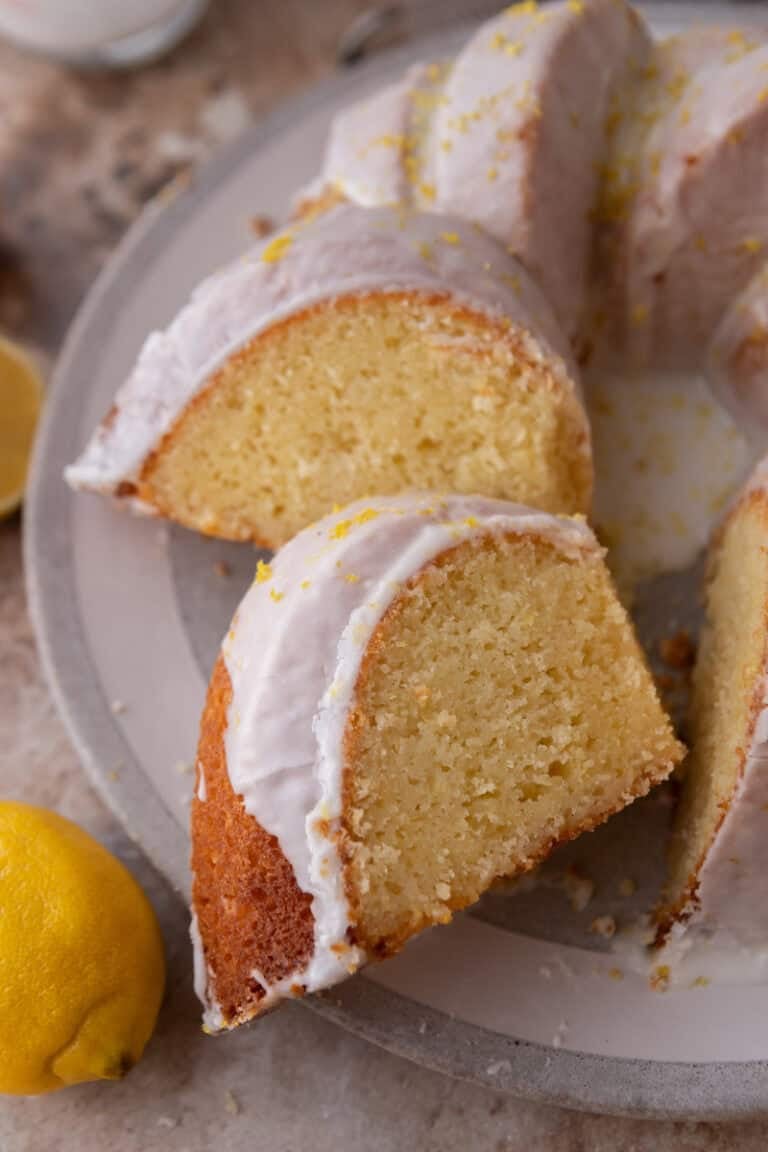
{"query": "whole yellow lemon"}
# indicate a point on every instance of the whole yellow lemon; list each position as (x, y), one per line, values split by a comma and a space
(82, 968)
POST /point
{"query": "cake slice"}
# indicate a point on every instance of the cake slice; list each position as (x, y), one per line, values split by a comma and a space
(364, 351)
(510, 134)
(417, 696)
(719, 850)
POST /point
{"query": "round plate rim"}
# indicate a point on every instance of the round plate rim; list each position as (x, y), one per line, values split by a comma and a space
(630, 1087)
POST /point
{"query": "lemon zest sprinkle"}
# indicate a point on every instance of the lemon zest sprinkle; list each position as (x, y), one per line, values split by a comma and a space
(525, 8)
(277, 248)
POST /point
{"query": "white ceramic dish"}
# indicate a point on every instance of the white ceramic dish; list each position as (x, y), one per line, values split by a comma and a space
(129, 614)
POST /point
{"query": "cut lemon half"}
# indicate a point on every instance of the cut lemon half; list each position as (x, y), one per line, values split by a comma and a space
(21, 398)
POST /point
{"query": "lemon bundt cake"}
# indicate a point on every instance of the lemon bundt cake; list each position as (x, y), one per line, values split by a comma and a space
(363, 351)
(717, 861)
(683, 221)
(737, 363)
(416, 696)
(509, 134)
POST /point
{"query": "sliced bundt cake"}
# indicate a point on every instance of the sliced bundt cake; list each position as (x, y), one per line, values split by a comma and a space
(364, 351)
(720, 844)
(683, 224)
(416, 696)
(510, 134)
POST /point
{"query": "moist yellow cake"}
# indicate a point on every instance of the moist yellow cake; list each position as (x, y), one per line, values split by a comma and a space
(366, 351)
(719, 853)
(416, 697)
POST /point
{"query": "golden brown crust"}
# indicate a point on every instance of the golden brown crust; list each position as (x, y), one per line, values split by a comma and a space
(666, 915)
(382, 946)
(125, 490)
(501, 331)
(250, 911)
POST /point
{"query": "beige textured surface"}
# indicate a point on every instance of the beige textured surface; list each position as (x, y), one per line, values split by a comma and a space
(78, 156)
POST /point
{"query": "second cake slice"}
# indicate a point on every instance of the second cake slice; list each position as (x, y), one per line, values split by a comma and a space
(418, 695)
(365, 351)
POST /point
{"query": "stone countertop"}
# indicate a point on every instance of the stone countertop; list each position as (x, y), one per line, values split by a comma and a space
(79, 156)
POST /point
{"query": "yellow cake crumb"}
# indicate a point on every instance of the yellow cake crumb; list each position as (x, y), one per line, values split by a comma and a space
(231, 1104)
(604, 926)
(578, 888)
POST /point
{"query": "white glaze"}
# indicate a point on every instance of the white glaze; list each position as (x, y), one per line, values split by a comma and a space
(737, 361)
(365, 157)
(212, 1018)
(685, 198)
(301, 631)
(347, 251)
(510, 135)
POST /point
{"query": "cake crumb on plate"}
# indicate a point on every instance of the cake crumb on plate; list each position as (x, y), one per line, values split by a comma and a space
(604, 926)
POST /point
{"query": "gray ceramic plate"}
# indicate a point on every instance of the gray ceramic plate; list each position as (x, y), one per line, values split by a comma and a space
(129, 612)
